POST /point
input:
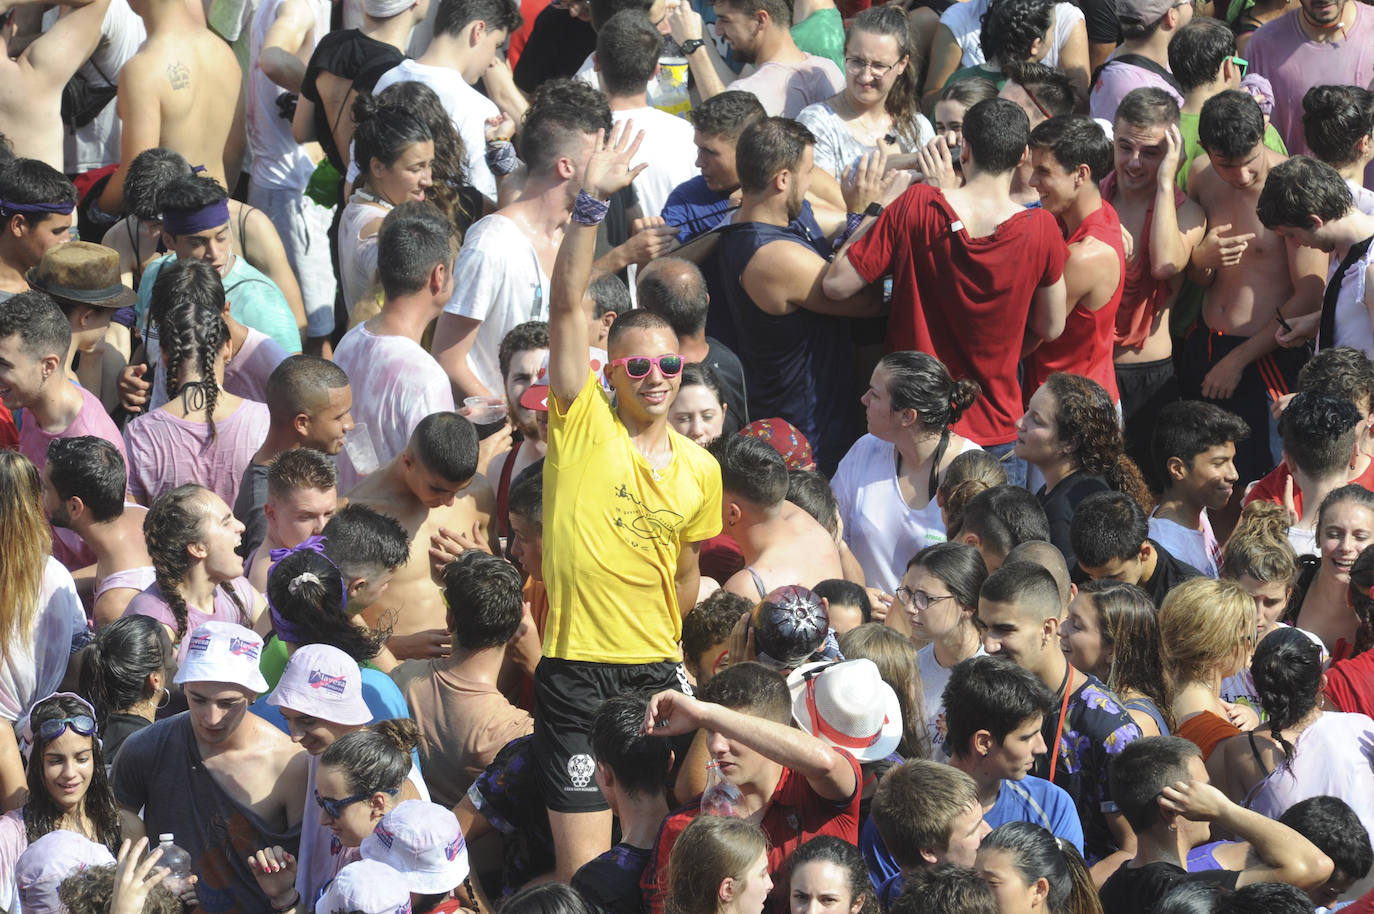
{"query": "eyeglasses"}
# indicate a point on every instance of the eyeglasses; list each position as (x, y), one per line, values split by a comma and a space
(859, 64)
(1240, 62)
(919, 598)
(334, 808)
(50, 730)
(638, 366)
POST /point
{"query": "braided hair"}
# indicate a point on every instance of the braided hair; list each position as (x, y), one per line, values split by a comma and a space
(176, 520)
(188, 309)
(1288, 677)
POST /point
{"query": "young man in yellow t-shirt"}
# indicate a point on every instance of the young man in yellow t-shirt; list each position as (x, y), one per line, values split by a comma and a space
(627, 502)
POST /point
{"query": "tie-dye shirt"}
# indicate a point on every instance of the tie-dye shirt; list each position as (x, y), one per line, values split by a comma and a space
(1096, 727)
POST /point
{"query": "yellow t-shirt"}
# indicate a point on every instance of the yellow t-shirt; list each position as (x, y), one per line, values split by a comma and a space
(613, 528)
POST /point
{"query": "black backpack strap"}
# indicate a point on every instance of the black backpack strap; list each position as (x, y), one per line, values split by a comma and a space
(1137, 60)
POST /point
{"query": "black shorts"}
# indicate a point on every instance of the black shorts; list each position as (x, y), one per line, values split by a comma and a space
(1145, 388)
(566, 696)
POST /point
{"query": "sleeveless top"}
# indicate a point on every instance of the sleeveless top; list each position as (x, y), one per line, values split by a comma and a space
(1142, 295)
(791, 360)
(1146, 706)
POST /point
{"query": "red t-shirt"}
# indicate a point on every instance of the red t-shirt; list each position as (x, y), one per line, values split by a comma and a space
(1271, 487)
(1350, 684)
(1086, 345)
(795, 814)
(9, 433)
(1143, 295)
(964, 300)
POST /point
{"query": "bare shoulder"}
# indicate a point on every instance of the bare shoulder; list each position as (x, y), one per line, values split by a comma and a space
(1093, 254)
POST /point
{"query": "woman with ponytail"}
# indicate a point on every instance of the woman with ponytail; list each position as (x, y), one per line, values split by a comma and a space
(457, 199)
(1072, 435)
(357, 773)
(394, 152)
(886, 485)
(1030, 871)
(1300, 751)
(203, 434)
(126, 672)
(875, 110)
(192, 537)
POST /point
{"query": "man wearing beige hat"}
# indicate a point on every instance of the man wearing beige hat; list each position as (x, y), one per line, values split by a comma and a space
(84, 280)
(1143, 58)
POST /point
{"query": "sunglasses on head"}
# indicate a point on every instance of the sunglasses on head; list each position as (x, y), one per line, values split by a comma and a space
(334, 808)
(50, 730)
(639, 366)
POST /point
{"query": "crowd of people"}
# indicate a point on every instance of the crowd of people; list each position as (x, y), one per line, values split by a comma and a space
(628, 456)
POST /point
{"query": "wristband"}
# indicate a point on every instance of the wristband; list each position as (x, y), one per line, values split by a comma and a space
(284, 908)
(690, 46)
(501, 158)
(587, 210)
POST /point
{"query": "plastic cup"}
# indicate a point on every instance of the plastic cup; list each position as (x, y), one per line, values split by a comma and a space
(487, 414)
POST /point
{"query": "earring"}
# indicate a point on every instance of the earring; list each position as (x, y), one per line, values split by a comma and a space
(167, 699)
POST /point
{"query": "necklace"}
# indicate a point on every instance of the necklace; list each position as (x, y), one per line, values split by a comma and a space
(1327, 32)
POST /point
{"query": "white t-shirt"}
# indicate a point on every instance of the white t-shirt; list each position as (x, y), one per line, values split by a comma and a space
(837, 148)
(97, 144)
(881, 530)
(587, 73)
(784, 89)
(498, 281)
(1198, 548)
(670, 149)
(965, 20)
(934, 678)
(279, 162)
(1353, 327)
(34, 669)
(358, 255)
(466, 107)
(396, 383)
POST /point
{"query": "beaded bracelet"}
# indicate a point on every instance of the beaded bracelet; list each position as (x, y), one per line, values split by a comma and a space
(587, 210)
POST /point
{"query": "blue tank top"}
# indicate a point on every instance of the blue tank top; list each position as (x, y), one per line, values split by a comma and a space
(797, 366)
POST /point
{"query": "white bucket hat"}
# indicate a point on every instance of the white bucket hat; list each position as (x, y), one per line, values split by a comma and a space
(223, 652)
(848, 705)
(421, 841)
(322, 681)
(368, 887)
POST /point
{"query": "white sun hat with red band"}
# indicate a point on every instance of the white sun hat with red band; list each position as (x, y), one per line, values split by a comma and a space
(536, 396)
(847, 704)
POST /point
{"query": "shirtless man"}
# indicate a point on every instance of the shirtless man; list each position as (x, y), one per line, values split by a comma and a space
(1256, 280)
(174, 93)
(1069, 156)
(1164, 226)
(432, 484)
(224, 781)
(31, 82)
(781, 542)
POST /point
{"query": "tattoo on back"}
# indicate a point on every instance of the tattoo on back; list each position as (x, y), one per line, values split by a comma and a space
(179, 75)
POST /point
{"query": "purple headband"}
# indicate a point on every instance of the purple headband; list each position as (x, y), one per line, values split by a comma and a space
(63, 208)
(285, 629)
(190, 221)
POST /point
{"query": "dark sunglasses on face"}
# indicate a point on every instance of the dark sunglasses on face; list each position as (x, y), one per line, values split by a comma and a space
(50, 730)
(334, 808)
(638, 366)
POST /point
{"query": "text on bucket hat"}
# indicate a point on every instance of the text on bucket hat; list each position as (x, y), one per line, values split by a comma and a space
(423, 842)
(322, 681)
(223, 652)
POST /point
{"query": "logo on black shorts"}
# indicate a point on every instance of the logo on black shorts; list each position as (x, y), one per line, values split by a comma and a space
(580, 768)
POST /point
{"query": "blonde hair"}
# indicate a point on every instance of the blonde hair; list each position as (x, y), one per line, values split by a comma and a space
(1202, 626)
(967, 474)
(26, 543)
(710, 850)
(895, 656)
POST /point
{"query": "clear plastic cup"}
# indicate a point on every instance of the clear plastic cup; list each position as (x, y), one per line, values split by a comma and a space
(488, 414)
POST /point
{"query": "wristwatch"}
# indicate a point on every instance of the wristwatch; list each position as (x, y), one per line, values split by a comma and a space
(689, 47)
(875, 209)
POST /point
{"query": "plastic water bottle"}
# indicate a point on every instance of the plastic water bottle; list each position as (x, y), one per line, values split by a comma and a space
(720, 798)
(175, 859)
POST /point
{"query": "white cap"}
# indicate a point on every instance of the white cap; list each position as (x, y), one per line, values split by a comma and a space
(223, 652)
(848, 705)
(322, 681)
(368, 887)
(423, 842)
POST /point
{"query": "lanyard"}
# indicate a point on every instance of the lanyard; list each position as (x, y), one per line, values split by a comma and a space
(1059, 730)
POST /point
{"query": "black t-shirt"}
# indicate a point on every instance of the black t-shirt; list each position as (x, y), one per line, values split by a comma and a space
(118, 728)
(248, 506)
(348, 54)
(611, 881)
(1136, 890)
(557, 45)
(1103, 26)
(731, 374)
(1169, 572)
(1060, 502)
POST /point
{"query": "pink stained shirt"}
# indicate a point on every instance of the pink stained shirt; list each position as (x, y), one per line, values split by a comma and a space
(1281, 52)
(165, 451)
(784, 89)
(91, 420)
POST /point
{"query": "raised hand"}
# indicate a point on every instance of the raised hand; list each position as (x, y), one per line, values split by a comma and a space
(1173, 152)
(684, 23)
(133, 880)
(937, 165)
(1219, 250)
(862, 182)
(608, 170)
(671, 713)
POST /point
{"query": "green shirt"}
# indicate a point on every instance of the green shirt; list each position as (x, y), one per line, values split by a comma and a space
(822, 34)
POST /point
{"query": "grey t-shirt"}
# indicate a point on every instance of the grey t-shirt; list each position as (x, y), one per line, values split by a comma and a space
(248, 507)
